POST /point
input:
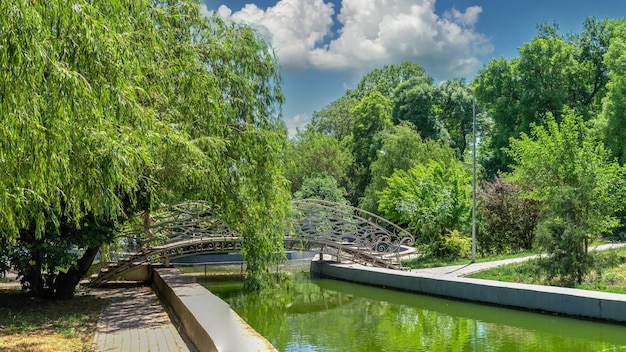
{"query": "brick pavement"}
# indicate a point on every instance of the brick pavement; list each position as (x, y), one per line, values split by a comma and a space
(134, 320)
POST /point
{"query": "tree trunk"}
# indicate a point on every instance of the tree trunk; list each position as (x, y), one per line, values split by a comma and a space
(65, 283)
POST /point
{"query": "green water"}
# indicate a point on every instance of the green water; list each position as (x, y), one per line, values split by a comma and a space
(329, 315)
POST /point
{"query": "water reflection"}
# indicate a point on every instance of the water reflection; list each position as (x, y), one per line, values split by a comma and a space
(328, 315)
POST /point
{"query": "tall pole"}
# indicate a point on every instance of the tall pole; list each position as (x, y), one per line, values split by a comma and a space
(473, 175)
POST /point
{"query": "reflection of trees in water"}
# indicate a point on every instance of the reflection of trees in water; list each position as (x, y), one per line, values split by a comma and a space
(507, 338)
(314, 313)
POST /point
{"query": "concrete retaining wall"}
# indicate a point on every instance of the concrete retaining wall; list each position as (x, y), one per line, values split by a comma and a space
(208, 321)
(572, 302)
(138, 273)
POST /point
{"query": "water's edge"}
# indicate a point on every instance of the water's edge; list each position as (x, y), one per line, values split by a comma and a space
(610, 307)
(224, 330)
(220, 330)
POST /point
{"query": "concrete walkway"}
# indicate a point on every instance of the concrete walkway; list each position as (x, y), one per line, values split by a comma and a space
(134, 320)
(472, 268)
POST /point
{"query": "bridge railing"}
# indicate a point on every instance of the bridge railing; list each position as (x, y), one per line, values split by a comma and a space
(195, 227)
(351, 227)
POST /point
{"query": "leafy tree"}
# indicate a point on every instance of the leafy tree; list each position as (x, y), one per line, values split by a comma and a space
(592, 45)
(105, 116)
(580, 188)
(337, 118)
(441, 113)
(313, 153)
(414, 101)
(373, 115)
(550, 73)
(614, 111)
(386, 80)
(322, 187)
(508, 218)
(454, 106)
(401, 147)
(612, 119)
(497, 93)
(432, 200)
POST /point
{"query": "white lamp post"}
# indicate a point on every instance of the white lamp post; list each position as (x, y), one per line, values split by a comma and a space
(469, 90)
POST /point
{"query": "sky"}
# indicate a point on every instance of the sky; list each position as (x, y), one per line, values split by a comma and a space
(324, 47)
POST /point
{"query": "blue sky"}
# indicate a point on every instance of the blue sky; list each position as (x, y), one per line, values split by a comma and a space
(326, 46)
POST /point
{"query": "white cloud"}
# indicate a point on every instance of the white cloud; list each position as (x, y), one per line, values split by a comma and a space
(204, 10)
(224, 11)
(467, 18)
(371, 34)
(296, 122)
(294, 27)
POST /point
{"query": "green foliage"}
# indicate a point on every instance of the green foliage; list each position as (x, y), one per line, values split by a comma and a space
(401, 147)
(454, 107)
(508, 218)
(615, 101)
(322, 187)
(337, 119)
(414, 101)
(607, 273)
(612, 119)
(315, 153)
(431, 199)
(455, 245)
(441, 113)
(356, 118)
(386, 80)
(569, 260)
(571, 174)
(103, 115)
(550, 73)
(373, 115)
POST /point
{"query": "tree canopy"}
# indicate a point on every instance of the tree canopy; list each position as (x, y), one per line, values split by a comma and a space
(312, 153)
(615, 101)
(111, 108)
(431, 199)
(550, 73)
(578, 185)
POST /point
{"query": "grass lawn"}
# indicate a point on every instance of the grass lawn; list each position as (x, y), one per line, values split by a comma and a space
(31, 324)
(427, 261)
(608, 274)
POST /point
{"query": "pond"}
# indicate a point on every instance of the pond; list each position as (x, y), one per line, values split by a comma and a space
(328, 315)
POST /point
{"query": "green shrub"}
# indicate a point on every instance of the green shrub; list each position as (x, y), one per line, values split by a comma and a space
(455, 245)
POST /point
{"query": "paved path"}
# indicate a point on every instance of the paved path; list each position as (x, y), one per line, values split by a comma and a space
(468, 269)
(134, 320)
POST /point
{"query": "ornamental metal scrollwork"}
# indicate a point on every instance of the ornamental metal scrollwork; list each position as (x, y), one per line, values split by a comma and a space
(369, 238)
(339, 230)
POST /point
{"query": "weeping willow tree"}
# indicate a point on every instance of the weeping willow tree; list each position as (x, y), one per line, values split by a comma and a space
(114, 107)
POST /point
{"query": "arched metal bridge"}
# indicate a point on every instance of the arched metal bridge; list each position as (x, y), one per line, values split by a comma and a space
(344, 232)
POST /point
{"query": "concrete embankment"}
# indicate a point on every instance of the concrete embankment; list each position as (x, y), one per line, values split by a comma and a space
(207, 321)
(565, 301)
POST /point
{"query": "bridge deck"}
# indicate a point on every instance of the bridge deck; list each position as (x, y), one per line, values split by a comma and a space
(347, 233)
